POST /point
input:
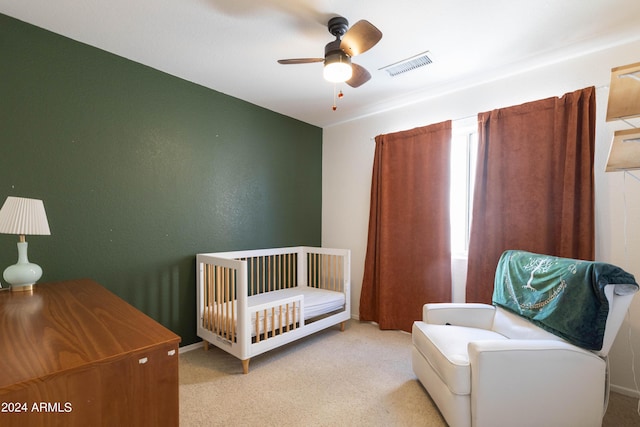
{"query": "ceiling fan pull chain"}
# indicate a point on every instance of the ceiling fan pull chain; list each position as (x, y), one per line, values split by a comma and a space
(340, 95)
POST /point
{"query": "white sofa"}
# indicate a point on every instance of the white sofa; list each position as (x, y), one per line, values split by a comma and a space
(485, 366)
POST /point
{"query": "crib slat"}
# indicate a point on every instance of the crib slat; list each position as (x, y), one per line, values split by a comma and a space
(263, 269)
(219, 299)
(222, 306)
(274, 273)
(218, 305)
(323, 271)
(274, 267)
(329, 270)
(214, 298)
(279, 281)
(268, 288)
(257, 327)
(334, 274)
(341, 274)
(287, 325)
(294, 315)
(337, 275)
(266, 329)
(267, 285)
(233, 308)
(226, 303)
(272, 320)
(286, 271)
(252, 282)
(326, 271)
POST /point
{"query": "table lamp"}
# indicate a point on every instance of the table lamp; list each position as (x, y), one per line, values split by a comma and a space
(23, 216)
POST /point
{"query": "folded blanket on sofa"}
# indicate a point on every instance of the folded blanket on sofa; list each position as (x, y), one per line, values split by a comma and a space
(561, 295)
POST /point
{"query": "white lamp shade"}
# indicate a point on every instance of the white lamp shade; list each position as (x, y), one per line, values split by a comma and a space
(23, 216)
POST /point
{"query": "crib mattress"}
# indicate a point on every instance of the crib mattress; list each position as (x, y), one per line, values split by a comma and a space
(316, 301)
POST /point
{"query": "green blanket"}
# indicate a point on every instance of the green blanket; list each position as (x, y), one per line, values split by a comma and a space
(561, 295)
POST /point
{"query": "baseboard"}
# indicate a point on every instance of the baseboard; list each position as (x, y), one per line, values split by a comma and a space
(626, 391)
(190, 347)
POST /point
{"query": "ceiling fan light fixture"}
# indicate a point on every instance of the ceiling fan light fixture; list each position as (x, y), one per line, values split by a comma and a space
(337, 67)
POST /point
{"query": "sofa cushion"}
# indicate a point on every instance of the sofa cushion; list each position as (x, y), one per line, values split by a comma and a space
(445, 348)
(519, 328)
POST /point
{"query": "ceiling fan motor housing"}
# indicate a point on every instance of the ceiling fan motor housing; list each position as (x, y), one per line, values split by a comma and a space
(333, 48)
(338, 26)
(333, 53)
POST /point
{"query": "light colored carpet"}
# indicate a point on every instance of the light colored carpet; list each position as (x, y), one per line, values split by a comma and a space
(359, 377)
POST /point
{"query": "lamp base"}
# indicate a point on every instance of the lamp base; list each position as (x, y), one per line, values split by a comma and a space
(24, 274)
(22, 288)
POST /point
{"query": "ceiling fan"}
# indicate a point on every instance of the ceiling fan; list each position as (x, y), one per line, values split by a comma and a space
(349, 42)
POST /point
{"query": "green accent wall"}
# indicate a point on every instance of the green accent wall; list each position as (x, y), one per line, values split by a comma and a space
(140, 170)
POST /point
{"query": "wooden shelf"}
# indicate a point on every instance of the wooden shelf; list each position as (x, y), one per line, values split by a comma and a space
(624, 92)
(625, 151)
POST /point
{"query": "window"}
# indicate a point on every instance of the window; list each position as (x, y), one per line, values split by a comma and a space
(464, 150)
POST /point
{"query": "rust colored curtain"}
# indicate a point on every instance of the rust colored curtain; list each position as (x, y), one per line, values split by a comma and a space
(408, 259)
(534, 185)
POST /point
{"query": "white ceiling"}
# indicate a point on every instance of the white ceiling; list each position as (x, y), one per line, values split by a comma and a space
(232, 45)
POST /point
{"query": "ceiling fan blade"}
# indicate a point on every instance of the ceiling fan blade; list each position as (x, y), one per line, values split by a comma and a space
(360, 76)
(361, 37)
(299, 61)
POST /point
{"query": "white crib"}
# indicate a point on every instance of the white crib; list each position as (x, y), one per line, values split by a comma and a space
(249, 302)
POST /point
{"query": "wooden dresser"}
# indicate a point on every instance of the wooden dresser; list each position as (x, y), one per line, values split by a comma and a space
(74, 354)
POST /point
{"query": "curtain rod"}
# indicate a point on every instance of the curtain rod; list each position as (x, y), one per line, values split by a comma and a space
(476, 115)
(453, 120)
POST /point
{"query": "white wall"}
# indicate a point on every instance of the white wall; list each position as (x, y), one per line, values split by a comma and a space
(348, 157)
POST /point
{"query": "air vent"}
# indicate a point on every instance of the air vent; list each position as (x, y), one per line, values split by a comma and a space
(417, 61)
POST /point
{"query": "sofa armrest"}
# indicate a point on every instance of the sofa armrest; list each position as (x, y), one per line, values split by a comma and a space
(459, 314)
(511, 378)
